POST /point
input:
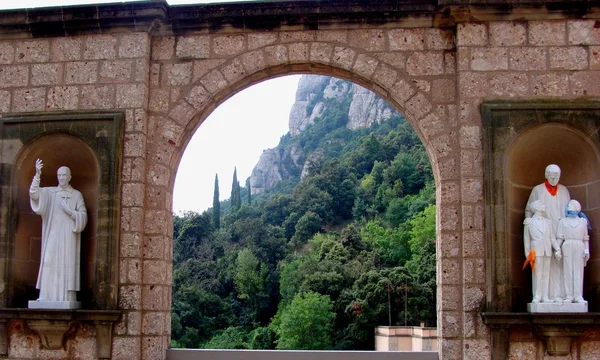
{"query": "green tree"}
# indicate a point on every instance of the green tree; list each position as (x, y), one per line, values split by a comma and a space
(236, 200)
(216, 205)
(249, 188)
(250, 282)
(306, 324)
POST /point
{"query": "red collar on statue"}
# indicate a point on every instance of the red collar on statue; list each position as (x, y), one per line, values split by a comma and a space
(551, 189)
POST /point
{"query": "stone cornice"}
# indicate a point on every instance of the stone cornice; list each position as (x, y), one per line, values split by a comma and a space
(158, 18)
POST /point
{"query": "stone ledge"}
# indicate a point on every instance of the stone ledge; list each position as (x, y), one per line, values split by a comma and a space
(557, 330)
(52, 325)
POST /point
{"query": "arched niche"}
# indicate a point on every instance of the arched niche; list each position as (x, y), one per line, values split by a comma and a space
(91, 144)
(520, 140)
(55, 150)
(529, 154)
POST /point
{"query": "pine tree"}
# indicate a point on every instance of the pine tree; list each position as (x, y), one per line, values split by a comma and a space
(236, 200)
(216, 205)
(249, 191)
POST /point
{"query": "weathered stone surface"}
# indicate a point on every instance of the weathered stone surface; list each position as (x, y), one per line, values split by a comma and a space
(425, 63)
(511, 84)
(29, 99)
(63, 98)
(569, 58)
(583, 32)
(214, 81)
(550, 84)
(365, 65)
(253, 61)
(34, 51)
(258, 40)
(449, 221)
(339, 36)
(449, 296)
(229, 44)
(472, 34)
(295, 36)
(163, 47)
(134, 45)
(119, 71)
(443, 90)
(12, 75)
(7, 52)
(489, 59)
(418, 105)
(192, 47)
(131, 96)
(4, 101)
(275, 55)
(298, 53)
(523, 350)
(407, 39)
(508, 33)
(585, 83)
(440, 39)
(477, 349)
(177, 74)
(547, 33)
(125, 348)
(450, 324)
(474, 269)
(472, 84)
(82, 72)
(100, 47)
(523, 58)
(65, 49)
(153, 323)
(46, 74)
(321, 53)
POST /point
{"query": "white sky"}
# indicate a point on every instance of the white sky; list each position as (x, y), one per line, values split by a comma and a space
(234, 135)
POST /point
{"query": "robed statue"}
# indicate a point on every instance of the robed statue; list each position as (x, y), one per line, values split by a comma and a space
(63, 219)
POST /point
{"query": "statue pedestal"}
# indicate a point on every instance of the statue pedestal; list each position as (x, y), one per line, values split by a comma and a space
(558, 307)
(62, 305)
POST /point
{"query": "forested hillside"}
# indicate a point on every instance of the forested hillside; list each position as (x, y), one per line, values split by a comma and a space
(341, 244)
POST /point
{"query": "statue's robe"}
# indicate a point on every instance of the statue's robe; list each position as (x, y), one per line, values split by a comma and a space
(574, 233)
(556, 209)
(61, 240)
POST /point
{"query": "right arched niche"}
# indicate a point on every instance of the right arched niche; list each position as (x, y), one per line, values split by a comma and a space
(520, 140)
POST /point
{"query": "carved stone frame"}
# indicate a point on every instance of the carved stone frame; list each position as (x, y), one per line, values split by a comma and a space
(505, 125)
(103, 134)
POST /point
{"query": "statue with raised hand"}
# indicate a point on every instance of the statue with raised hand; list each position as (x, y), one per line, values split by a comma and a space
(63, 219)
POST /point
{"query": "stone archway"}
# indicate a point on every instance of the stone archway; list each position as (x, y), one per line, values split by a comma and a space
(423, 90)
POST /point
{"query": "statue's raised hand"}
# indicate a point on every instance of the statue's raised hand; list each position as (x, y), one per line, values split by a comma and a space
(38, 167)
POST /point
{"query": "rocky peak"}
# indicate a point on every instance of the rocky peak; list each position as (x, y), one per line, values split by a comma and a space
(314, 97)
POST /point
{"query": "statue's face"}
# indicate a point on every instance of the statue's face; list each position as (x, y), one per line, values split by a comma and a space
(553, 177)
(64, 176)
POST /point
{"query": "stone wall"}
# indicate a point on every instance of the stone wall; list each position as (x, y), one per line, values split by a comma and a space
(166, 75)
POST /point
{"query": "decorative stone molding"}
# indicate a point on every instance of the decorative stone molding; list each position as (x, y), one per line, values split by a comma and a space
(53, 325)
(557, 330)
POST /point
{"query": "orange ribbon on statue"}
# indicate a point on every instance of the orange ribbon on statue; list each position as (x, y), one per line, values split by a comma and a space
(551, 189)
(530, 260)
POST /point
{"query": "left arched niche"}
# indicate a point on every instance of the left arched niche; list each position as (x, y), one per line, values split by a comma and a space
(91, 145)
(55, 150)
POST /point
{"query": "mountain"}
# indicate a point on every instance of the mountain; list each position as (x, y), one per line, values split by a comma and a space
(317, 96)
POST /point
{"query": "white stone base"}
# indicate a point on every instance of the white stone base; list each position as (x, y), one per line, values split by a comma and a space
(557, 307)
(35, 304)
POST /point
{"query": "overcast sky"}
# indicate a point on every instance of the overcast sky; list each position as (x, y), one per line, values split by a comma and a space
(234, 135)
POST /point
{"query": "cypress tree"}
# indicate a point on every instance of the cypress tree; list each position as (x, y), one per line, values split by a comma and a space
(249, 191)
(216, 205)
(236, 200)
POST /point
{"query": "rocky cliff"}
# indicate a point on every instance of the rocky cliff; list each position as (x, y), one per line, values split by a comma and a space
(315, 97)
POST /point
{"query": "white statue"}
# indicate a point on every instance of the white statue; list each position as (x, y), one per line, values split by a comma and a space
(555, 198)
(540, 244)
(63, 219)
(573, 231)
